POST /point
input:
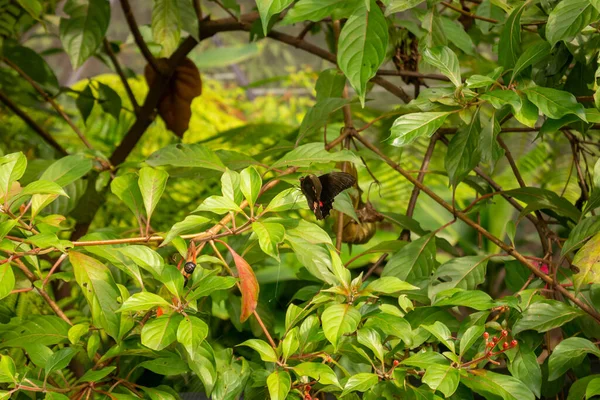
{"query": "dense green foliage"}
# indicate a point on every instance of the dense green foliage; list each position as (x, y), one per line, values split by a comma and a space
(155, 242)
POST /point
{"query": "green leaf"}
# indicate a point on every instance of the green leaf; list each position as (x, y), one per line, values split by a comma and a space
(85, 102)
(389, 284)
(414, 261)
(173, 280)
(315, 258)
(250, 184)
(577, 390)
(100, 291)
(290, 344)
(469, 338)
(316, 10)
(7, 369)
(32, 64)
(314, 153)
(12, 168)
(218, 205)
(308, 231)
(343, 204)
(424, 359)
(479, 81)
(212, 284)
(110, 101)
(268, 8)
(432, 23)
(509, 47)
(545, 315)
(126, 188)
(407, 128)
(396, 6)
(584, 230)
(166, 25)
(500, 98)
(318, 115)
(390, 325)
(60, 359)
(593, 389)
(444, 378)
(360, 382)
(568, 354)
(172, 365)
(370, 338)
(362, 46)
(230, 186)
(77, 331)
(320, 372)
(587, 260)
(191, 223)
(225, 56)
(82, 34)
(186, 155)
(475, 299)
(269, 236)
(152, 183)
(265, 351)
(143, 301)
(7, 280)
(463, 151)
(330, 82)
(287, 199)
(528, 114)
(6, 227)
(544, 199)
(555, 103)
(532, 55)
(492, 385)
(568, 18)
(444, 59)
(338, 320)
(279, 384)
(525, 367)
(457, 35)
(191, 333)
(43, 330)
(67, 170)
(97, 375)
(442, 333)
(33, 7)
(160, 332)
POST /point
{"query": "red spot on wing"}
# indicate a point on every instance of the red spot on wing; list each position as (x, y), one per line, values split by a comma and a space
(320, 204)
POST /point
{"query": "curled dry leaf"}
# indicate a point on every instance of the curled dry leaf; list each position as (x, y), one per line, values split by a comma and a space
(248, 285)
(175, 105)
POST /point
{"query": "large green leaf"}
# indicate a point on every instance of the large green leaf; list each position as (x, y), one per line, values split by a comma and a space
(43, 330)
(568, 354)
(314, 153)
(67, 170)
(250, 184)
(414, 261)
(191, 333)
(545, 315)
(492, 385)
(407, 128)
(338, 320)
(360, 382)
(396, 6)
(584, 230)
(330, 83)
(525, 367)
(268, 8)
(446, 61)
(509, 47)
(444, 378)
(33, 64)
(191, 223)
(532, 55)
(362, 46)
(555, 103)
(316, 118)
(568, 18)
(160, 332)
(279, 384)
(186, 155)
(166, 25)
(12, 168)
(320, 372)
(587, 260)
(461, 272)
(463, 151)
(538, 198)
(127, 189)
(143, 301)
(60, 359)
(269, 236)
(265, 351)
(100, 291)
(316, 10)
(82, 34)
(7, 280)
(152, 183)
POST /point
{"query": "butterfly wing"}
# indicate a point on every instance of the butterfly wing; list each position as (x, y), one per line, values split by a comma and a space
(311, 188)
(333, 184)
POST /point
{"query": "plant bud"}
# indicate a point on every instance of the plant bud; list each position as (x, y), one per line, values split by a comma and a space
(505, 345)
(513, 343)
(486, 335)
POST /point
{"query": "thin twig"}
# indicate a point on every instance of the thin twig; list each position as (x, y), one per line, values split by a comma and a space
(468, 14)
(32, 124)
(137, 36)
(119, 70)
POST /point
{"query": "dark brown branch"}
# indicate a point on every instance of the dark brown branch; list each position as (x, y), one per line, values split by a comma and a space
(413, 74)
(412, 203)
(32, 124)
(119, 70)
(463, 217)
(468, 14)
(50, 100)
(137, 36)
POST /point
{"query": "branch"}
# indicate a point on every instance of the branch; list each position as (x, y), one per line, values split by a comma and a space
(50, 100)
(468, 14)
(32, 124)
(413, 74)
(463, 217)
(137, 36)
(119, 70)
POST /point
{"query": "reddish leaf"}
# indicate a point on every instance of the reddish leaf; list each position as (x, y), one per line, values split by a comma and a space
(248, 285)
(175, 105)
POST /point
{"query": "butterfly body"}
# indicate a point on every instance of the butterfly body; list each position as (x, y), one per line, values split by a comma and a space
(321, 191)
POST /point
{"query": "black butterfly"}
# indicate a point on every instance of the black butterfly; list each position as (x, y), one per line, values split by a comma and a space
(321, 191)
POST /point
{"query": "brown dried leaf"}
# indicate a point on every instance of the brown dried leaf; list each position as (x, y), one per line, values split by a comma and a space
(248, 285)
(175, 105)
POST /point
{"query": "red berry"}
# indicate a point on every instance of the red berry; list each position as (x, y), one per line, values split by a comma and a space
(513, 343)
(505, 345)
(396, 362)
(504, 333)
(495, 339)
(490, 345)
(486, 335)
(489, 354)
